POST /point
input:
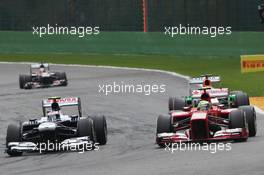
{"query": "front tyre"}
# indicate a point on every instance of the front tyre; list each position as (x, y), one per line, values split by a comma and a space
(237, 119)
(62, 76)
(23, 80)
(163, 126)
(100, 127)
(13, 135)
(251, 119)
(85, 128)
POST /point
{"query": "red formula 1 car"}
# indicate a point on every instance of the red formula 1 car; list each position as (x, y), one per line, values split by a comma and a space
(206, 122)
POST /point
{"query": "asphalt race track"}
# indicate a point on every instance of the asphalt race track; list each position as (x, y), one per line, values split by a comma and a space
(131, 122)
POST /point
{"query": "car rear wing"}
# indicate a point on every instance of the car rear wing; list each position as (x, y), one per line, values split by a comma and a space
(200, 79)
(63, 102)
(35, 66)
(214, 93)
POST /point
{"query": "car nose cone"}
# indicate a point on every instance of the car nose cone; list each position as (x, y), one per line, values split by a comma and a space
(47, 126)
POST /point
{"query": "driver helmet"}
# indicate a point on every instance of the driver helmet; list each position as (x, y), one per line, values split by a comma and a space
(42, 68)
(55, 105)
(205, 96)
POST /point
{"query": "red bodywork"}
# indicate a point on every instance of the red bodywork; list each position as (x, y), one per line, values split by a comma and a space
(192, 125)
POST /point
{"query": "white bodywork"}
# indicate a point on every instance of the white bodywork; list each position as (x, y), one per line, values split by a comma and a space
(46, 122)
(47, 126)
(76, 142)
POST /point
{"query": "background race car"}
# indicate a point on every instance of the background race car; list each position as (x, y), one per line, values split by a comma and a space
(41, 76)
(55, 127)
(230, 99)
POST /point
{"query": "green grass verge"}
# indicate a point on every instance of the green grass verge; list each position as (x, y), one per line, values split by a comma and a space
(228, 67)
(189, 55)
(238, 43)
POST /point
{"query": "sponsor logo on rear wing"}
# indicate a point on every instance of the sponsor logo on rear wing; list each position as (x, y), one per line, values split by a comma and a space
(223, 92)
(68, 101)
(199, 80)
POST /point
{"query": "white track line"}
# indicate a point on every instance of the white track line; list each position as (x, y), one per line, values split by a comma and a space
(124, 68)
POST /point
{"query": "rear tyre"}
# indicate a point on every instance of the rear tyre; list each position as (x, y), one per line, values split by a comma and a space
(251, 119)
(100, 128)
(163, 126)
(176, 103)
(13, 135)
(85, 128)
(237, 120)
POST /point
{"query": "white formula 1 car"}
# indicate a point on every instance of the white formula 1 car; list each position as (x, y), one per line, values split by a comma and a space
(64, 131)
(41, 77)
